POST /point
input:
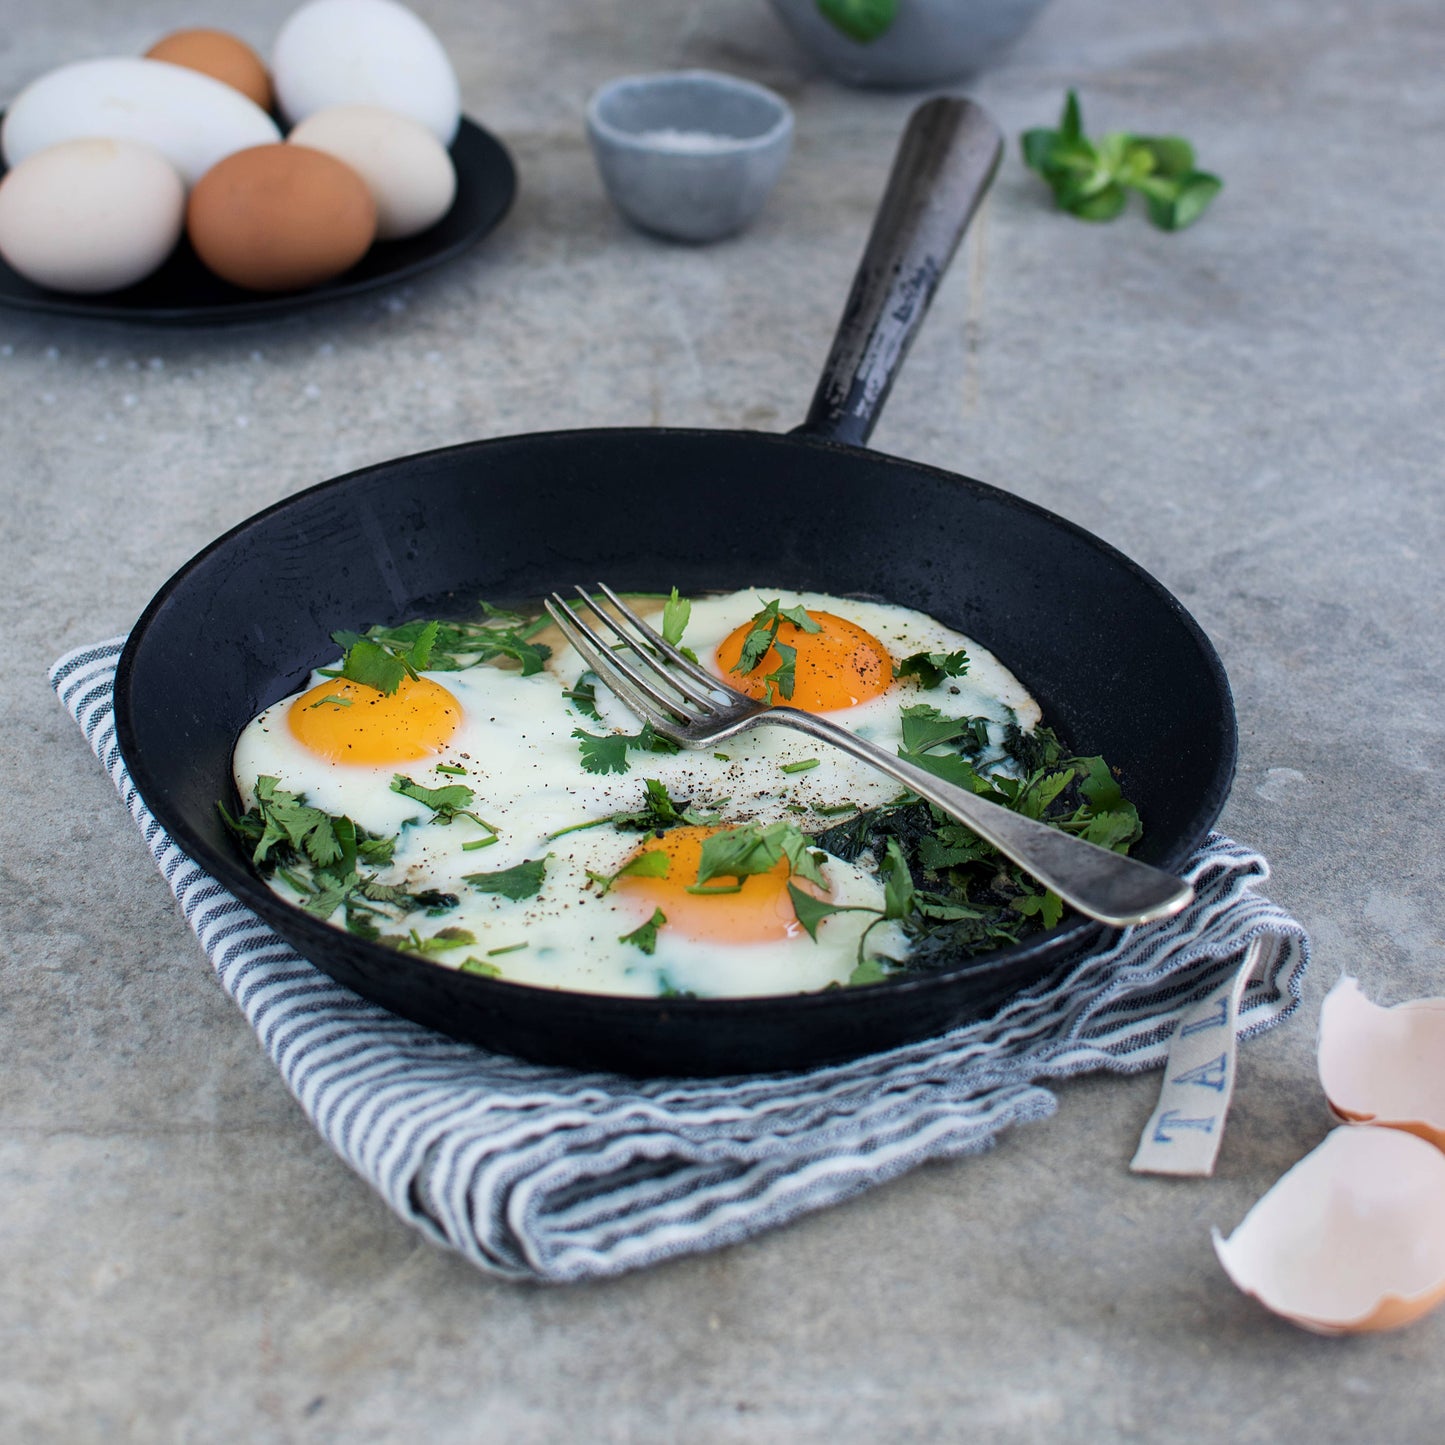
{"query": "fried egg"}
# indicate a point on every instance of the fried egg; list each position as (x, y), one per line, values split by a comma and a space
(592, 925)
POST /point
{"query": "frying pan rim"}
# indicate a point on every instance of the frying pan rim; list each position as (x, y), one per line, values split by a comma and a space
(1064, 940)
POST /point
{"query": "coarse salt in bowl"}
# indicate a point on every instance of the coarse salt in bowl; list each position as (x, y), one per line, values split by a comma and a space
(690, 154)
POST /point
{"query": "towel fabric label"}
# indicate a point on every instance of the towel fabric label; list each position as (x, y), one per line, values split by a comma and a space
(1184, 1134)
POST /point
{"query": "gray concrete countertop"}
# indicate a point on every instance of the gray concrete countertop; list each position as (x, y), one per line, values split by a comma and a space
(1250, 408)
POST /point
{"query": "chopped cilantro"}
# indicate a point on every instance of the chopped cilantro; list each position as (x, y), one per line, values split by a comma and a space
(676, 613)
(925, 727)
(659, 811)
(1047, 907)
(584, 696)
(871, 970)
(387, 654)
(607, 752)
(320, 856)
(933, 668)
(762, 636)
(448, 803)
(783, 678)
(524, 880)
(651, 863)
(738, 853)
(645, 936)
(812, 911)
(443, 941)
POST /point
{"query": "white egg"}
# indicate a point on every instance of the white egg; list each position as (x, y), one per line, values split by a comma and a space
(405, 167)
(514, 746)
(191, 119)
(90, 215)
(365, 52)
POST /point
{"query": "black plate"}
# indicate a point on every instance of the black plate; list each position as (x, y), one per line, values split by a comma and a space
(1116, 663)
(184, 293)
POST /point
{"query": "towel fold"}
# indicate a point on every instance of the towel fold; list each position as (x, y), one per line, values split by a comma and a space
(546, 1173)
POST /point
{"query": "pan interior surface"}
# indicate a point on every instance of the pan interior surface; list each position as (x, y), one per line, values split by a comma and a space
(1117, 665)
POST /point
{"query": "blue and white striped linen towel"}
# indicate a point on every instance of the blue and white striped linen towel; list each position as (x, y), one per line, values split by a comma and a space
(537, 1172)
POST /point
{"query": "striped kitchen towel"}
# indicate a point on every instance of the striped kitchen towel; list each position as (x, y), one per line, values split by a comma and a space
(545, 1173)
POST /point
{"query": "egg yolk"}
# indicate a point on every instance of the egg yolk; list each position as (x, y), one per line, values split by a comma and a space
(759, 912)
(348, 722)
(838, 666)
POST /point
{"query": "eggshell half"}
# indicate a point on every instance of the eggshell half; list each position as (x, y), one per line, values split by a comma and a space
(406, 168)
(1351, 1239)
(1384, 1065)
(89, 216)
(364, 52)
(191, 119)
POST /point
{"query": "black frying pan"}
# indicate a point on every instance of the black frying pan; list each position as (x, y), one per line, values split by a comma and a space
(1116, 663)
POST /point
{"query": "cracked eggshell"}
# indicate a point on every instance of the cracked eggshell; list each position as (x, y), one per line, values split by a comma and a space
(1384, 1065)
(1351, 1239)
(365, 52)
(191, 119)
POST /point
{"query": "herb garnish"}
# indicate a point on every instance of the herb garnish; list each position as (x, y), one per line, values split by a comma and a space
(650, 863)
(1092, 179)
(659, 812)
(607, 752)
(320, 855)
(968, 898)
(762, 638)
(676, 613)
(442, 941)
(737, 853)
(382, 656)
(933, 668)
(447, 803)
(524, 880)
(645, 936)
(584, 696)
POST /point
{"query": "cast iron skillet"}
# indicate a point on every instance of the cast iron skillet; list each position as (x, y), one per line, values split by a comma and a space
(1115, 661)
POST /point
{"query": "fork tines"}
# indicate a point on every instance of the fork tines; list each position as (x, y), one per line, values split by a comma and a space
(663, 695)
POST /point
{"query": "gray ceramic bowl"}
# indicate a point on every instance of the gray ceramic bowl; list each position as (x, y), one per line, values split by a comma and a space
(689, 154)
(929, 42)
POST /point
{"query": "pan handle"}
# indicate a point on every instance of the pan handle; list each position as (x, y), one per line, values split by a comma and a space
(945, 163)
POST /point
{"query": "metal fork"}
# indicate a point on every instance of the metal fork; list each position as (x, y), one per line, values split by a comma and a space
(693, 708)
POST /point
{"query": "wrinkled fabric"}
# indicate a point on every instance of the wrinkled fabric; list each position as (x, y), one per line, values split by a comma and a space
(545, 1173)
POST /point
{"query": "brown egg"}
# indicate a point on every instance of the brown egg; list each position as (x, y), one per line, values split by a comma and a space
(280, 218)
(221, 56)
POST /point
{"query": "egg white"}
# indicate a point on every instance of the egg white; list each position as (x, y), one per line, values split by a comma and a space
(516, 746)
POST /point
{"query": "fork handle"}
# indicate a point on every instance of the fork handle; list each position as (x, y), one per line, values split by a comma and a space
(1105, 885)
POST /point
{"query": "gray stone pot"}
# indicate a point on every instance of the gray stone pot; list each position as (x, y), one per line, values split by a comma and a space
(929, 43)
